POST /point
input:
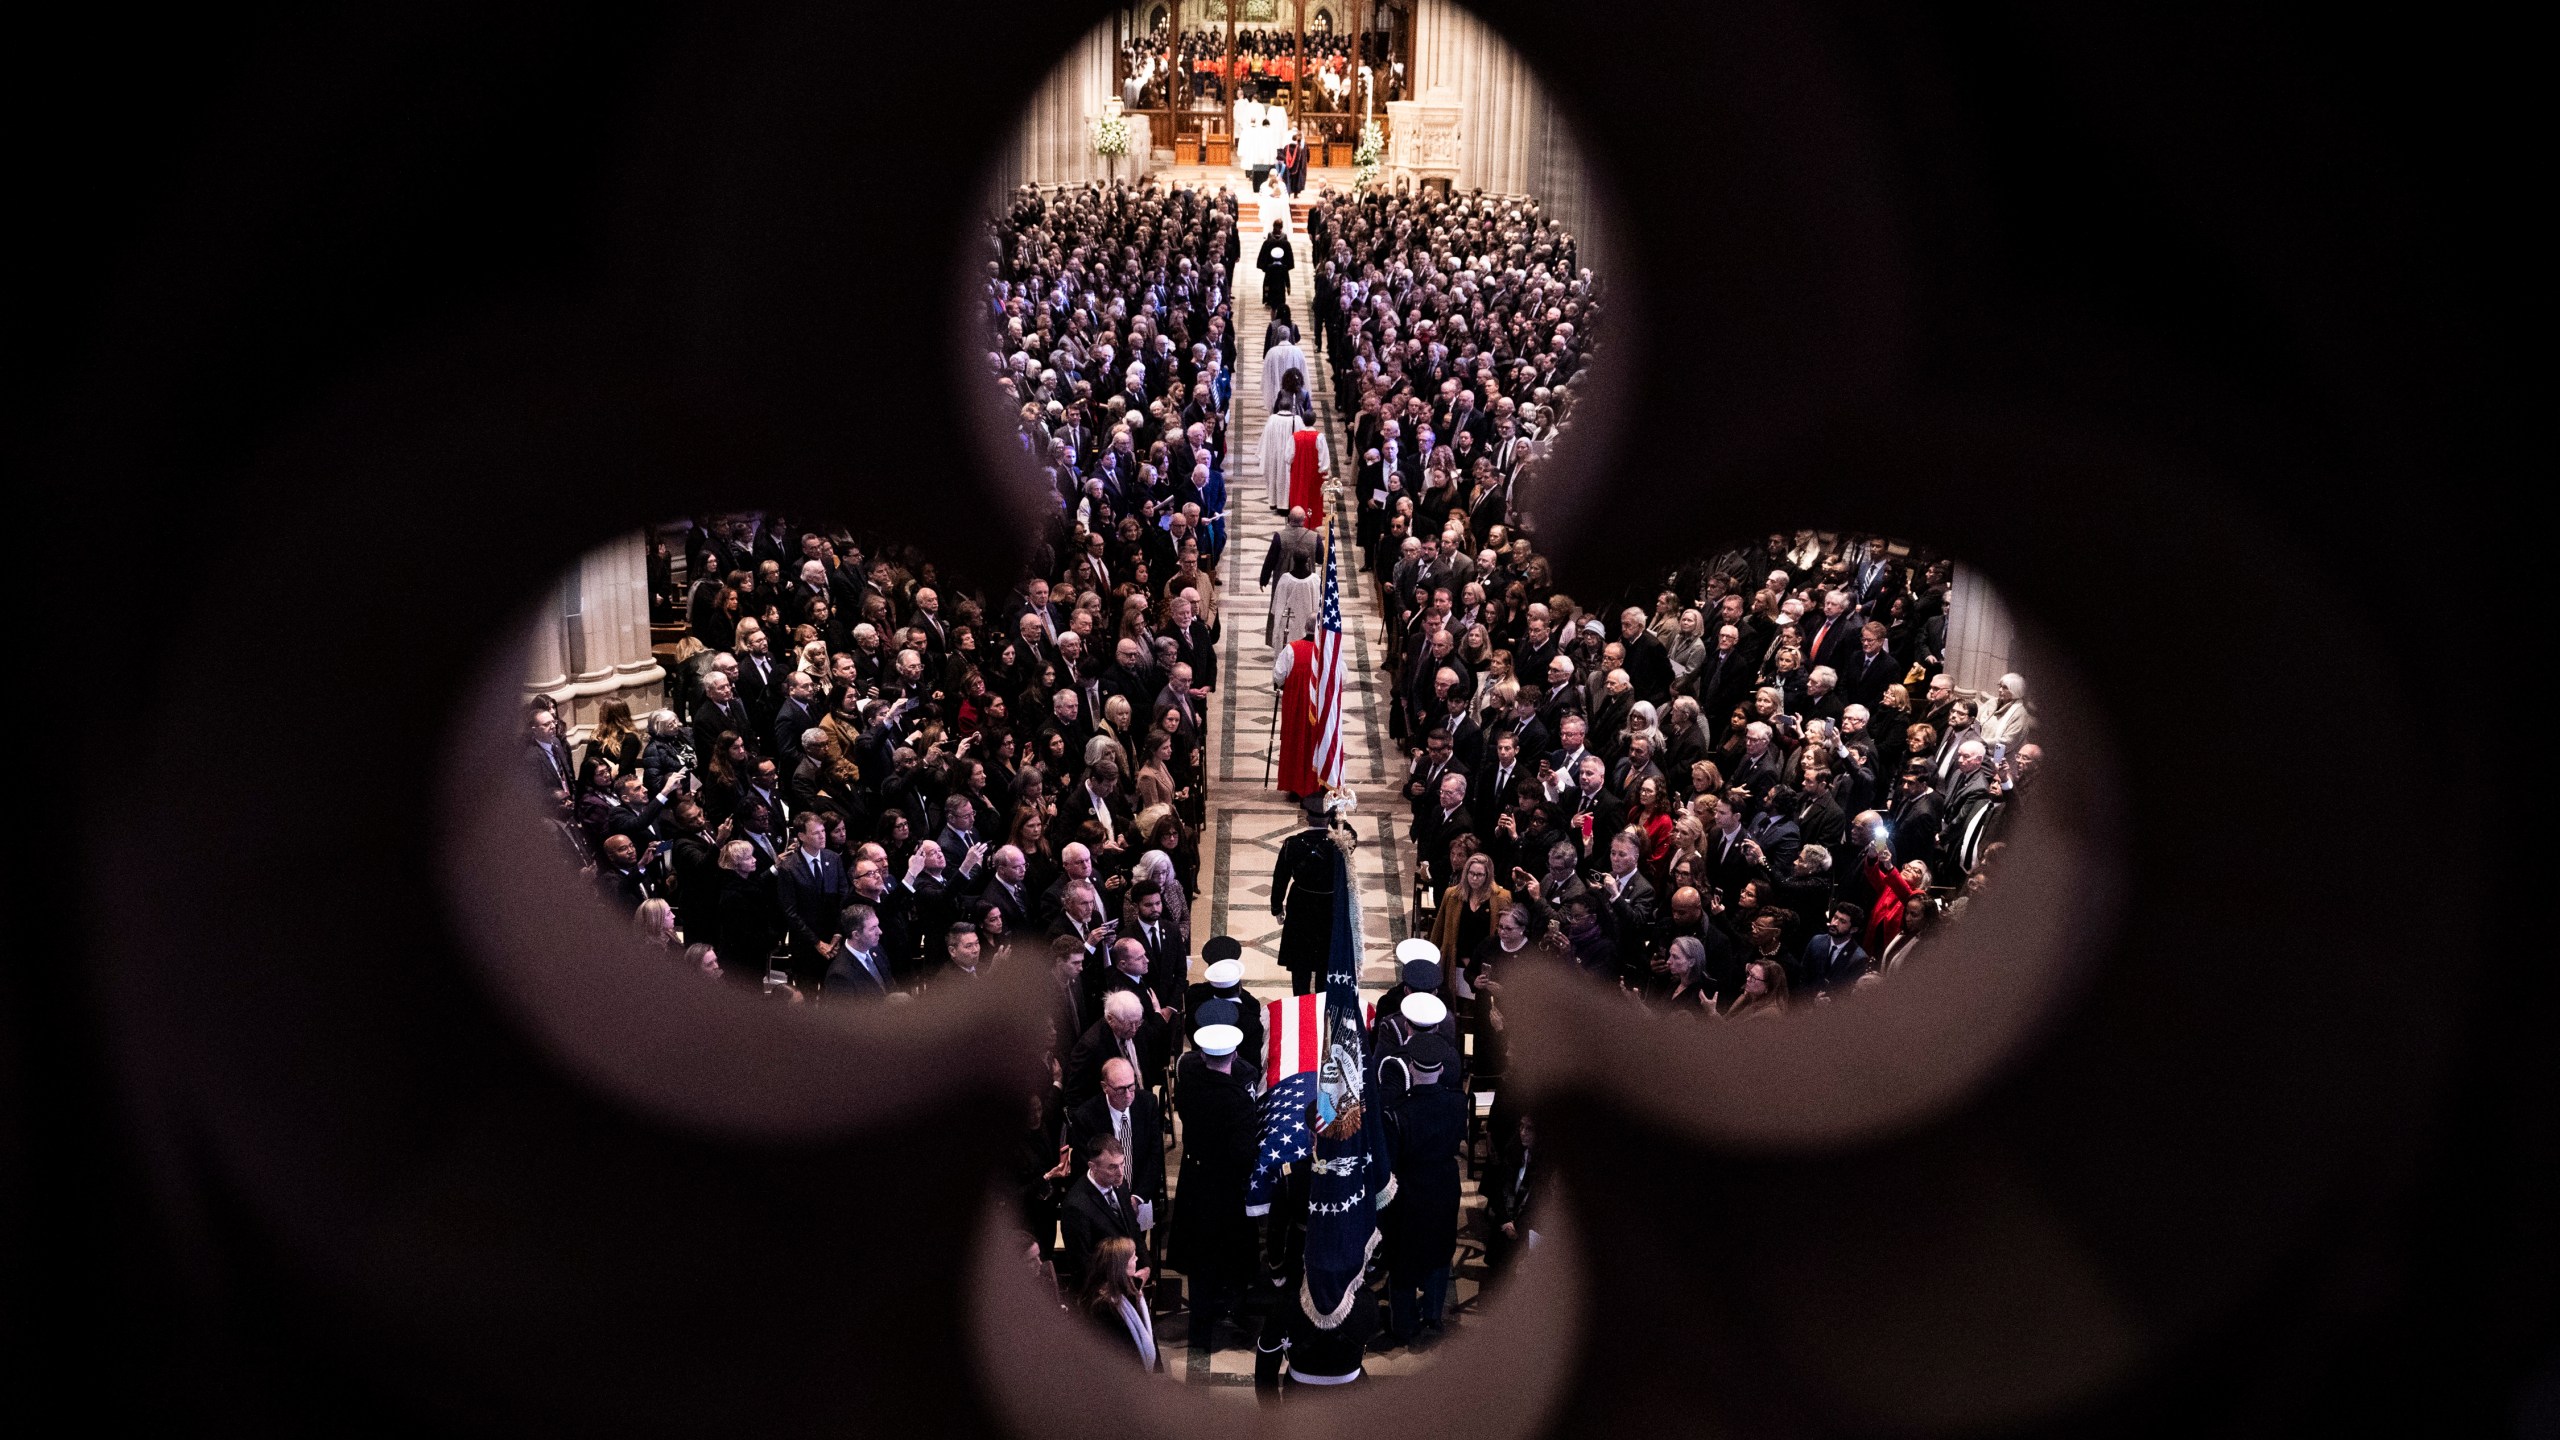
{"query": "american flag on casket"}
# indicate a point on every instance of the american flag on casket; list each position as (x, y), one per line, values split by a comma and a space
(1295, 1051)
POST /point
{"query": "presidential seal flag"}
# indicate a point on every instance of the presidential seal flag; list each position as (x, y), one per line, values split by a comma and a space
(1353, 1177)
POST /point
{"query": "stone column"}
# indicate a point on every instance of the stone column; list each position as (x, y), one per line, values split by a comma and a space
(592, 639)
(1980, 633)
(544, 669)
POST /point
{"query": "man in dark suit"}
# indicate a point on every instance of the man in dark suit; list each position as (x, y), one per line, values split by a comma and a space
(1098, 1207)
(694, 868)
(1730, 855)
(1833, 960)
(1499, 785)
(1125, 1112)
(1158, 1031)
(759, 681)
(1128, 677)
(1755, 771)
(1591, 800)
(1168, 963)
(959, 839)
(1007, 871)
(1870, 582)
(1918, 816)
(619, 877)
(1632, 900)
(1831, 637)
(1177, 696)
(1195, 641)
(1864, 675)
(1564, 763)
(811, 890)
(897, 905)
(1099, 797)
(1522, 724)
(547, 755)
(795, 716)
(1610, 711)
(1119, 1034)
(721, 710)
(861, 970)
(1436, 826)
(1774, 831)
(1648, 663)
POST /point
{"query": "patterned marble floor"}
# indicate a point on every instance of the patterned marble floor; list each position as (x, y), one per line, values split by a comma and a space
(1248, 819)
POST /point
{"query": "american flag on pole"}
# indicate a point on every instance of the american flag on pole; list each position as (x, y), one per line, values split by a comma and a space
(1329, 678)
(1295, 1053)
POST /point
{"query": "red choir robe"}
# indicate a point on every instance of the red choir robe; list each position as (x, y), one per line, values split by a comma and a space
(1296, 773)
(1306, 485)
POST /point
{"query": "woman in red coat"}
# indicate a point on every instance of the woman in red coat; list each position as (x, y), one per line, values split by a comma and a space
(1895, 890)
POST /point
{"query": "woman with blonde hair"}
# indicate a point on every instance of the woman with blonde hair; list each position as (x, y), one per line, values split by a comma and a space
(656, 920)
(1897, 891)
(1112, 728)
(1468, 909)
(615, 737)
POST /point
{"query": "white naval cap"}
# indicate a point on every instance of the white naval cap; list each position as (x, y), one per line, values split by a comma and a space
(1217, 1039)
(1422, 1008)
(1224, 973)
(1417, 948)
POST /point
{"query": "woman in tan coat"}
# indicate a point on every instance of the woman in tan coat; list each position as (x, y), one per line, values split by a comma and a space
(1468, 910)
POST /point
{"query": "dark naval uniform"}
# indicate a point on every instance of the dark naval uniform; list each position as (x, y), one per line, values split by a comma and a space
(1248, 1018)
(1430, 1128)
(1213, 1239)
(1302, 894)
(1293, 1357)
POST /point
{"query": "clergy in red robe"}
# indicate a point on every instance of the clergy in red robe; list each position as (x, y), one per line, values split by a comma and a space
(1306, 482)
(1295, 671)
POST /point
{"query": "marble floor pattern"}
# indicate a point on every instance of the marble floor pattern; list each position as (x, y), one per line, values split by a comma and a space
(1248, 820)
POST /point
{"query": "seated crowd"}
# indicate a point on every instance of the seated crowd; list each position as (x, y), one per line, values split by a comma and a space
(1113, 336)
(1454, 330)
(1760, 789)
(871, 782)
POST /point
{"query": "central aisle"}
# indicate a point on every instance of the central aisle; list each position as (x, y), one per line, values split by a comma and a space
(1248, 819)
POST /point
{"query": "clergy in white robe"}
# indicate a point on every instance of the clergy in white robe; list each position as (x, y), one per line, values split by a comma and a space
(1277, 361)
(1279, 444)
(1295, 601)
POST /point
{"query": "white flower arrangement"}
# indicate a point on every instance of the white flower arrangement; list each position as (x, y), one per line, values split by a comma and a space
(1368, 154)
(1111, 135)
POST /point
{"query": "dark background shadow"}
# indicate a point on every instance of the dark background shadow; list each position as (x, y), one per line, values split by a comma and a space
(383, 315)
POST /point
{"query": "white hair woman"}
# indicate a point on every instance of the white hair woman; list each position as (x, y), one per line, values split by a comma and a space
(2007, 720)
(1158, 866)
